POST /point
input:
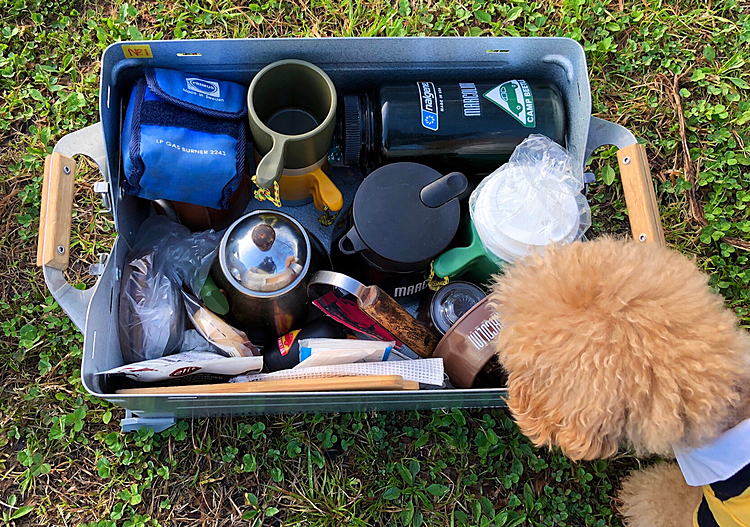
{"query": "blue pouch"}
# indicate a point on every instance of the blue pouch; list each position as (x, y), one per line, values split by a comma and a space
(183, 138)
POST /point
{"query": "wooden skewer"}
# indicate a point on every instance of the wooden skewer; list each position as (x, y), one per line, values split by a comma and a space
(322, 384)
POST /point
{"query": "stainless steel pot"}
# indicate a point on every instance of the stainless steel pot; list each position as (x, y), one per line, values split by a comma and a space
(265, 260)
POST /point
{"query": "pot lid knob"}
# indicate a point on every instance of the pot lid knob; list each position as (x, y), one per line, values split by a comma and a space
(263, 236)
(265, 251)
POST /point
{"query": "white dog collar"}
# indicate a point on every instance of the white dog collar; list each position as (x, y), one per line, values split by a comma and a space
(719, 460)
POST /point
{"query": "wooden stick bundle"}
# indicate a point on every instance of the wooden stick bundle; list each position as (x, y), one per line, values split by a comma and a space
(322, 384)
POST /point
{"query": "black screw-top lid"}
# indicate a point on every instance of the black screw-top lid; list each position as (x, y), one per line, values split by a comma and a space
(353, 140)
(395, 223)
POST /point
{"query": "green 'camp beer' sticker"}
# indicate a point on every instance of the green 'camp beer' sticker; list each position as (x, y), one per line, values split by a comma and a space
(515, 98)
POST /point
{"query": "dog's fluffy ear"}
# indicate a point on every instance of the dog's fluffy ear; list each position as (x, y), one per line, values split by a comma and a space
(610, 342)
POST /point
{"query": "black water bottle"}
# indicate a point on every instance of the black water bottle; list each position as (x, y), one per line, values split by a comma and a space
(463, 126)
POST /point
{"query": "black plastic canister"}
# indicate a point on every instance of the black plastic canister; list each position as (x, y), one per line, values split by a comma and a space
(465, 126)
(402, 217)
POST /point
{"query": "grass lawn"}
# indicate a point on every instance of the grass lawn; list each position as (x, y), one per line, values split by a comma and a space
(675, 73)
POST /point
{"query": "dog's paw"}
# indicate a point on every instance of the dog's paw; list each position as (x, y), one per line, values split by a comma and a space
(658, 497)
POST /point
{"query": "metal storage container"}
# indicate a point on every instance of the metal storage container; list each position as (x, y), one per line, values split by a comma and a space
(352, 63)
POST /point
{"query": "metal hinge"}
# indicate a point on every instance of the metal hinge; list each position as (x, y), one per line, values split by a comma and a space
(97, 269)
(588, 179)
(157, 423)
(102, 188)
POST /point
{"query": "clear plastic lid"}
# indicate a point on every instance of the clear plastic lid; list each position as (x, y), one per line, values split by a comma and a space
(532, 201)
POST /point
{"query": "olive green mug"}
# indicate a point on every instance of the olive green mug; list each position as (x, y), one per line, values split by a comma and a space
(292, 112)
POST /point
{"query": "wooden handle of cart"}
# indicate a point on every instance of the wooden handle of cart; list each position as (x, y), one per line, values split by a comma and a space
(55, 215)
(384, 310)
(640, 198)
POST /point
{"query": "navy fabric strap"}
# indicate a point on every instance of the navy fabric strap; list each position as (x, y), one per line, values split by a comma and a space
(233, 184)
(132, 185)
(161, 113)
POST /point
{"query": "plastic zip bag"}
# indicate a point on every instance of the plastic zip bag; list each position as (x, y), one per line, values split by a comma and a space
(165, 256)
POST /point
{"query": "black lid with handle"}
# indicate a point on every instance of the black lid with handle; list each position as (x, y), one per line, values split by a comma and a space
(404, 214)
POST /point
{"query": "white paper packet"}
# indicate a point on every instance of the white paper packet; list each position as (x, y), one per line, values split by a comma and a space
(423, 371)
(326, 352)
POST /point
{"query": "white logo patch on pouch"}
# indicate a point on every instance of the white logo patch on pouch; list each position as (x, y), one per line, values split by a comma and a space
(202, 86)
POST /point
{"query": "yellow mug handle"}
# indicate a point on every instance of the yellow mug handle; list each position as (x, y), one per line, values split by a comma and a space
(324, 192)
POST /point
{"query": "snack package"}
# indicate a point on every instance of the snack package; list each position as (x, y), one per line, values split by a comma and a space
(345, 311)
(191, 367)
(229, 341)
(326, 352)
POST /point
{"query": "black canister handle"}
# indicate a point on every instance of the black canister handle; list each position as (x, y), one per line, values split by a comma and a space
(442, 190)
(351, 243)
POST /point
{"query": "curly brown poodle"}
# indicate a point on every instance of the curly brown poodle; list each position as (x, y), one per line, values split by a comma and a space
(612, 343)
